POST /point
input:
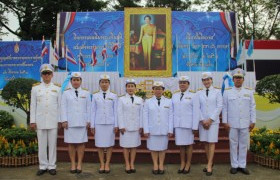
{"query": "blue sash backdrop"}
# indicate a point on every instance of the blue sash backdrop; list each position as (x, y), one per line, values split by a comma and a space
(21, 59)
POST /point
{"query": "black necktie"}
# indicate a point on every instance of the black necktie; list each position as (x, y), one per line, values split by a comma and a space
(76, 93)
(207, 90)
(132, 99)
(182, 94)
(158, 101)
(104, 95)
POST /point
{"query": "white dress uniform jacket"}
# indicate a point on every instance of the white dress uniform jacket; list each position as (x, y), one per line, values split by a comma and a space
(130, 114)
(45, 106)
(104, 111)
(186, 110)
(158, 120)
(211, 105)
(75, 110)
(239, 107)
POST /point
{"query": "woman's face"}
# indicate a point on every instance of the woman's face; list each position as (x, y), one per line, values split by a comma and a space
(147, 20)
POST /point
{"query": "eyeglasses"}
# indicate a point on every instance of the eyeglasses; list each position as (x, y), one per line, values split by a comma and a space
(46, 73)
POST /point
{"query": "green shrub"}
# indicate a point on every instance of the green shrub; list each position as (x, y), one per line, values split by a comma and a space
(6, 120)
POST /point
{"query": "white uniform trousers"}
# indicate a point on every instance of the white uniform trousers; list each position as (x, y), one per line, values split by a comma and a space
(238, 139)
(47, 138)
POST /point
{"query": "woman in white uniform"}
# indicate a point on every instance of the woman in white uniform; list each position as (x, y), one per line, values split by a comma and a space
(130, 111)
(75, 118)
(211, 104)
(104, 123)
(186, 119)
(158, 125)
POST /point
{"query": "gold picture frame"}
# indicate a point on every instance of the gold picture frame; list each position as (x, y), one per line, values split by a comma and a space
(147, 46)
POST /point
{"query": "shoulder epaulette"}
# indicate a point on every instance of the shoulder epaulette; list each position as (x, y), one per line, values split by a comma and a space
(192, 91)
(176, 91)
(36, 84)
(113, 92)
(122, 95)
(95, 92)
(67, 89)
(57, 84)
(217, 87)
(85, 89)
(248, 88)
(200, 89)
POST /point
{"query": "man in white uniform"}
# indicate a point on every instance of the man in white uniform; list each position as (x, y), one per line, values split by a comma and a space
(44, 116)
(239, 116)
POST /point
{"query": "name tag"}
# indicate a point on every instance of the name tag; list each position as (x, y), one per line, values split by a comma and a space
(246, 95)
(110, 99)
(188, 98)
(54, 90)
(137, 104)
(166, 106)
(83, 97)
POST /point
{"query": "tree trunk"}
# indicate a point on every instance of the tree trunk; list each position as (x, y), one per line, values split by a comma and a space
(28, 118)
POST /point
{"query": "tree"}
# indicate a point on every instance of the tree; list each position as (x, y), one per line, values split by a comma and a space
(17, 93)
(3, 19)
(38, 17)
(257, 18)
(269, 87)
(175, 5)
(121, 4)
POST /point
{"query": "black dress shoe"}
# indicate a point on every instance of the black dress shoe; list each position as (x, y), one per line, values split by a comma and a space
(79, 171)
(244, 171)
(155, 172)
(101, 171)
(233, 170)
(205, 169)
(209, 173)
(133, 170)
(52, 172)
(41, 172)
(73, 171)
(107, 171)
(161, 171)
(128, 171)
(186, 171)
(180, 171)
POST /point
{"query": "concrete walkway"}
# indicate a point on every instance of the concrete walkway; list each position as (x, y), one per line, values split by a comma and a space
(90, 171)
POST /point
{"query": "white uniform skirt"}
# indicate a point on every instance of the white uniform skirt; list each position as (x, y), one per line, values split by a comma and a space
(130, 139)
(157, 142)
(75, 135)
(210, 135)
(104, 135)
(183, 136)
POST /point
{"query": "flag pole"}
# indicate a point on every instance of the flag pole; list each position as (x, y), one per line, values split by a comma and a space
(177, 53)
(228, 55)
(202, 57)
(118, 55)
(190, 68)
(66, 58)
(79, 61)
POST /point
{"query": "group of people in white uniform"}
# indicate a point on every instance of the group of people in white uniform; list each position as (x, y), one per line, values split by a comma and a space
(157, 118)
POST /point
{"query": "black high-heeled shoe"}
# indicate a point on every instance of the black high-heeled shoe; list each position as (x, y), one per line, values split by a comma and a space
(128, 171)
(209, 173)
(133, 170)
(205, 169)
(187, 171)
(155, 172)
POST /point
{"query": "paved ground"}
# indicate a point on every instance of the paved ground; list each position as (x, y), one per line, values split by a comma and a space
(221, 172)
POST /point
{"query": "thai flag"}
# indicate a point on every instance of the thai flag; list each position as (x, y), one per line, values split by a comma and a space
(93, 56)
(70, 56)
(104, 54)
(115, 48)
(82, 62)
(55, 52)
(44, 48)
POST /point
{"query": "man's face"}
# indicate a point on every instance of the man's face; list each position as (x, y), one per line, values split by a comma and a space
(238, 81)
(183, 85)
(104, 84)
(47, 76)
(130, 88)
(158, 90)
(76, 82)
(207, 82)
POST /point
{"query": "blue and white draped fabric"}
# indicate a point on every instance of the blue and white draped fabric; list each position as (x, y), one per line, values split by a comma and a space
(65, 82)
(230, 82)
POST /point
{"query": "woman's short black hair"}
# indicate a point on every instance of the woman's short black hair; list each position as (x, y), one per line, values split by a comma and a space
(104, 79)
(75, 77)
(148, 17)
(158, 86)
